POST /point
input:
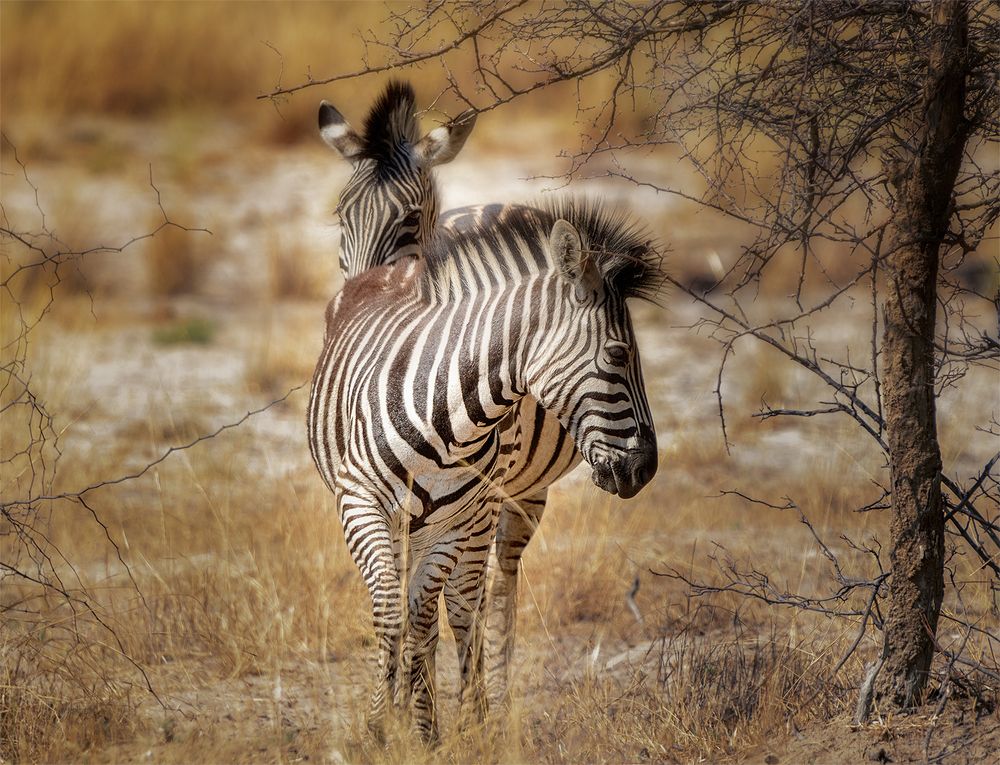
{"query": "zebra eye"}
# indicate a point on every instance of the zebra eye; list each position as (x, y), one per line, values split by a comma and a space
(616, 353)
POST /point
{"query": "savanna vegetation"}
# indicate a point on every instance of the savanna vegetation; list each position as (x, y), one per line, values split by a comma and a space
(173, 584)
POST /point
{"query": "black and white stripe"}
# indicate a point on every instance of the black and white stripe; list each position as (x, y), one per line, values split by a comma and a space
(414, 422)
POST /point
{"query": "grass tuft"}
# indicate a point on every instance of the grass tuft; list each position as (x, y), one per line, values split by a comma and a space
(194, 331)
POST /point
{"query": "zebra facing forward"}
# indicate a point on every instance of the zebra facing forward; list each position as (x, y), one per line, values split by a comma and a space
(410, 417)
(388, 210)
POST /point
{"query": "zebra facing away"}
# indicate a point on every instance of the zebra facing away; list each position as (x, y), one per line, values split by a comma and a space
(410, 417)
(390, 177)
(389, 206)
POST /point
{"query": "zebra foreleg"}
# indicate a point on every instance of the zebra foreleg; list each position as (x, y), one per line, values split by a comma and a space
(517, 523)
(464, 595)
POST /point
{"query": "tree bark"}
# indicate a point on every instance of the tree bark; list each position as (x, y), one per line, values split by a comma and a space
(924, 190)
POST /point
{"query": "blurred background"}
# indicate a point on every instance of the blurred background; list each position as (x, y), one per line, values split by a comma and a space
(221, 570)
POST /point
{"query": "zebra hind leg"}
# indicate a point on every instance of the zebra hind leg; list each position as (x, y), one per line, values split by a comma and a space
(372, 552)
(464, 595)
(420, 643)
(517, 523)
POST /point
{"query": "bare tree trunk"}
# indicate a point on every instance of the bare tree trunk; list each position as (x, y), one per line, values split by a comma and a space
(924, 193)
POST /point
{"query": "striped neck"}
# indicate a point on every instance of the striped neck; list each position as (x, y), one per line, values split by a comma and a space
(511, 342)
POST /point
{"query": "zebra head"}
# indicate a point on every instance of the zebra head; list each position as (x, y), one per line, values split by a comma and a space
(591, 378)
(388, 208)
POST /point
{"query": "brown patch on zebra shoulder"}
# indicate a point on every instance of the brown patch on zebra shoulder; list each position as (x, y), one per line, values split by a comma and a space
(380, 285)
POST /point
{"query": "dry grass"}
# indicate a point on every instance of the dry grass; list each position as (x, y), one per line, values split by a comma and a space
(298, 272)
(249, 592)
(254, 620)
(138, 58)
(708, 700)
(252, 623)
(159, 60)
(59, 723)
(275, 364)
(176, 260)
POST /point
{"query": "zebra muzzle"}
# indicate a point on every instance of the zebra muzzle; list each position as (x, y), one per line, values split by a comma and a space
(624, 471)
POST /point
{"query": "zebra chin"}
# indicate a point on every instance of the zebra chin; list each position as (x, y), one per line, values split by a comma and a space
(623, 471)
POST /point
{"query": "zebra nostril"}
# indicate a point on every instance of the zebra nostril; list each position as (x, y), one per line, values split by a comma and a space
(645, 463)
(646, 472)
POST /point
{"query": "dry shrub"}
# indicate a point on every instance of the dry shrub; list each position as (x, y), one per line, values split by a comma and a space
(176, 260)
(291, 122)
(694, 699)
(34, 281)
(63, 689)
(43, 279)
(762, 375)
(728, 686)
(287, 344)
(34, 728)
(296, 271)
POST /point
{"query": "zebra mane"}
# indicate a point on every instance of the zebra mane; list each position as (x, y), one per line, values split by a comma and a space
(623, 249)
(628, 258)
(391, 124)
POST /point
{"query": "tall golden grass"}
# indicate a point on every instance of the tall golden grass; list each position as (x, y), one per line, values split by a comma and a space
(138, 58)
(150, 59)
(250, 579)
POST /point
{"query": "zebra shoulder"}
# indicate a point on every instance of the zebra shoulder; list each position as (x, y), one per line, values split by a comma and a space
(373, 287)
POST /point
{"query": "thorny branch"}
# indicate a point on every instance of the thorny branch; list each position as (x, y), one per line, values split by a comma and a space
(796, 120)
(33, 265)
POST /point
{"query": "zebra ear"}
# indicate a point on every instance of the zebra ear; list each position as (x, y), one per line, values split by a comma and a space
(442, 144)
(337, 133)
(578, 267)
